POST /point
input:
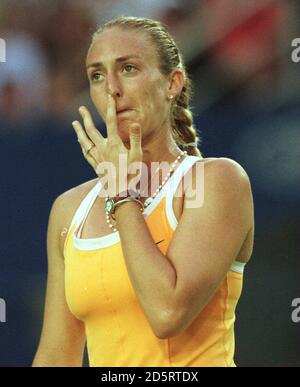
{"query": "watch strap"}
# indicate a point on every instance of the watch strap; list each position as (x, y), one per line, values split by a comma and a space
(120, 202)
(125, 194)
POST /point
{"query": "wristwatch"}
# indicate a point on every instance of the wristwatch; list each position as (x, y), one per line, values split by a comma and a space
(110, 203)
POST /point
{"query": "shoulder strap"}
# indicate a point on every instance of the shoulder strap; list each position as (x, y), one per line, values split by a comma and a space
(183, 168)
(177, 178)
(85, 205)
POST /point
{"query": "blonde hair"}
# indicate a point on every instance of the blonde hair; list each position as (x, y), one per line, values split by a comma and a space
(170, 58)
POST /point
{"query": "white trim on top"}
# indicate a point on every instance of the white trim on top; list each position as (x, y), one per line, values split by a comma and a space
(171, 192)
(113, 238)
(82, 208)
(108, 240)
(238, 267)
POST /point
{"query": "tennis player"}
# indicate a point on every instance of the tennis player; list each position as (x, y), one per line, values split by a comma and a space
(140, 275)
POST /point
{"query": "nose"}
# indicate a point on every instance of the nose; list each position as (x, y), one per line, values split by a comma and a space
(113, 86)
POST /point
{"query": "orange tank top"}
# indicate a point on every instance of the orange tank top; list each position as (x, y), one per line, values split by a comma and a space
(99, 293)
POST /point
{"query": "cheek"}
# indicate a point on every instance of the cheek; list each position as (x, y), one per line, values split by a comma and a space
(155, 103)
(151, 97)
(150, 91)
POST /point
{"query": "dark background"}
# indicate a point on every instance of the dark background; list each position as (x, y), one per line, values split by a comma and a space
(246, 105)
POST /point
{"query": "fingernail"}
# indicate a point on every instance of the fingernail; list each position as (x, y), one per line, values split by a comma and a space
(81, 109)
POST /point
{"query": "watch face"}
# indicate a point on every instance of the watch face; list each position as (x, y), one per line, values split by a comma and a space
(109, 205)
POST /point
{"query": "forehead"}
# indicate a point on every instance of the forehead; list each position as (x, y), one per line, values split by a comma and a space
(115, 42)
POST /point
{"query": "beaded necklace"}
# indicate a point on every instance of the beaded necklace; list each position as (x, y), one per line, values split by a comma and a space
(150, 199)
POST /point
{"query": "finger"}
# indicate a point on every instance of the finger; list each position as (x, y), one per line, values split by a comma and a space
(135, 135)
(84, 144)
(83, 139)
(111, 120)
(90, 127)
(81, 135)
(90, 159)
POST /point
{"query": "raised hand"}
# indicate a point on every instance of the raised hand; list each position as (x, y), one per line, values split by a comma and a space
(108, 152)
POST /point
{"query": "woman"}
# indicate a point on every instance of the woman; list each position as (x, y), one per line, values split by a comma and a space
(147, 281)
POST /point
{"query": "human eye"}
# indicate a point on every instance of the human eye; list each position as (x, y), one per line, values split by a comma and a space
(129, 68)
(96, 76)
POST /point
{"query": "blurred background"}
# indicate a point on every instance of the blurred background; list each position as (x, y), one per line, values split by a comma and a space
(247, 107)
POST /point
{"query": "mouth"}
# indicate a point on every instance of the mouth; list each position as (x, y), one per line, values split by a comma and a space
(123, 110)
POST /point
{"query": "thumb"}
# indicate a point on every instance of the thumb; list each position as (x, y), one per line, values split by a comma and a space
(135, 137)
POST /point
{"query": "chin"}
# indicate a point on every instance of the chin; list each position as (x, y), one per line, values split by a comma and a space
(124, 135)
(123, 130)
(125, 139)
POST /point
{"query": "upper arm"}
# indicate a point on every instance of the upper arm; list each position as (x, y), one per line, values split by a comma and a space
(63, 338)
(209, 237)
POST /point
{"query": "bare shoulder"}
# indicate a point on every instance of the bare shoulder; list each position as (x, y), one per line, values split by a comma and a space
(73, 196)
(65, 205)
(221, 173)
(229, 183)
(226, 186)
(224, 166)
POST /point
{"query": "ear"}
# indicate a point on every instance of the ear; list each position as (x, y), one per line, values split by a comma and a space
(176, 83)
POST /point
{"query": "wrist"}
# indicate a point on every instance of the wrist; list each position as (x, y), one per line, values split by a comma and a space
(125, 194)
(112, 203)
(122, 204)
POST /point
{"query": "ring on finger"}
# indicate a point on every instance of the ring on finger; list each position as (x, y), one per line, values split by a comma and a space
(87, 150)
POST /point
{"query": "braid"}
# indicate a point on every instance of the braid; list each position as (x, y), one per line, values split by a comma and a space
(183, 129)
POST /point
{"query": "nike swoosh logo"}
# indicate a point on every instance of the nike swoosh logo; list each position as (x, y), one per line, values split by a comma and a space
(159, 242)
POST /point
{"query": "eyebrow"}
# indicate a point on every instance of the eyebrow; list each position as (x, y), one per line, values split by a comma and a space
(118, 60)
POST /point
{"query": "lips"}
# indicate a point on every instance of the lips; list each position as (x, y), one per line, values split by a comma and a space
(122, 110)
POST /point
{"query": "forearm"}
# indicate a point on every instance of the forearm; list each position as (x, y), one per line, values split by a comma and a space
(152, 274)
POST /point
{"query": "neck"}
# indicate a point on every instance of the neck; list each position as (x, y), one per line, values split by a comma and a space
(161, 149)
